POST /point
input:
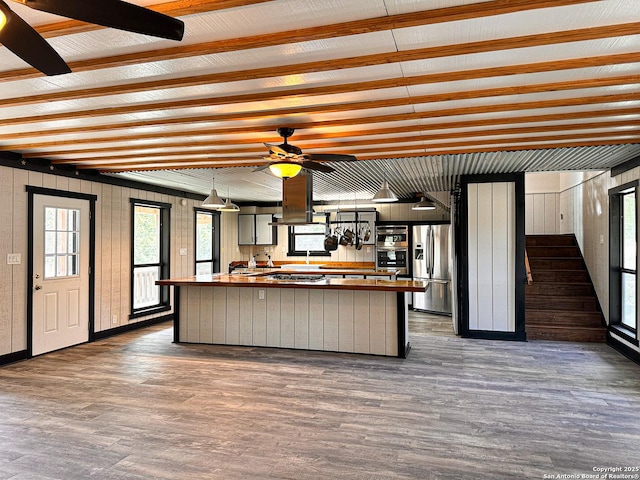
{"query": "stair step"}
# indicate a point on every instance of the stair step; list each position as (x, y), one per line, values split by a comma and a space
(556, 264)
(563, 318)
(561, 302)
(569, 276)
(554, 251)
(567, 334)
(559, 289)
(555, 240)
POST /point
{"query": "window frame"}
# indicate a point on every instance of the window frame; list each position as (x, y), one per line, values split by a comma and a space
(164, 258)
(291, 237)
(215, 247)
(616, 260)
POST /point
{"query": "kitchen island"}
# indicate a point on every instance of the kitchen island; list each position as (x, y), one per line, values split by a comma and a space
(299, 311)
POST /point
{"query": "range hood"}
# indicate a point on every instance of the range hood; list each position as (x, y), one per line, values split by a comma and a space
(297, 200)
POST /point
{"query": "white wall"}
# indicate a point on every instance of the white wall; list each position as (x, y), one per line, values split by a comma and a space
(112, 268)
(491, 243)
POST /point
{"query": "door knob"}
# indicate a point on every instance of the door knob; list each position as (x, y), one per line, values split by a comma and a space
(38, 287)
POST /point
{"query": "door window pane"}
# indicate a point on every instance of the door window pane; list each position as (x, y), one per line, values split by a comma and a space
(629, 247)
(61, 242)
(145, 292)
(204, 236)
(204, 268)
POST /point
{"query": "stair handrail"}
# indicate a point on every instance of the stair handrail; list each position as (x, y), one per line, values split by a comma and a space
(528, 268)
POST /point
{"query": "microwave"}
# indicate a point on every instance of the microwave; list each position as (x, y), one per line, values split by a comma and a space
(392, 237)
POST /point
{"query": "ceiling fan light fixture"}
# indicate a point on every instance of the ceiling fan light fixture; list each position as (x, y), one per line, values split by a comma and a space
(384, 195)
(285, 169)
(213, 201)
(424, 204)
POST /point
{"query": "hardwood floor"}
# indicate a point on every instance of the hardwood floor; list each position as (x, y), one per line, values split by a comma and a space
(137, 406)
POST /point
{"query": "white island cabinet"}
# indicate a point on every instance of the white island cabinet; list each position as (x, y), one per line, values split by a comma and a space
(368, 316)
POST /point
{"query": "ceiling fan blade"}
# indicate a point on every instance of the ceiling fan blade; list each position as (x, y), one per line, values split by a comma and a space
(19, 37)
(318, 167)
(261, 167)
(276, 149)
(331, 157)
(115, 14)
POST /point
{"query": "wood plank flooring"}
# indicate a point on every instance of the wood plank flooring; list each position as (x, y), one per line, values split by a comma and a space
(137, 406)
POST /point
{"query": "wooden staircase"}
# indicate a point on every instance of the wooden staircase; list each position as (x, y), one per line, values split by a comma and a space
(560, 303)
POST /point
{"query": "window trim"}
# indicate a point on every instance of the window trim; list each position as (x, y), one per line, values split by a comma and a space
(291, 240)
(215, 253)
(616, 252)
(165, 257)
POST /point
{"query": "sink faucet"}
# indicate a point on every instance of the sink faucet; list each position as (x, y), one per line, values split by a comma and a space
(307, 257)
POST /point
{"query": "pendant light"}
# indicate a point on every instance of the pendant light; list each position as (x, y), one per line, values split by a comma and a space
(285, 169)
(424, 204)
(213, 201)
(228, 205)
(385, 194)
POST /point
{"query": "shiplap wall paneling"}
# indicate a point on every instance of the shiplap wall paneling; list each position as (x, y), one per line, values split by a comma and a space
(316, 319)
(233, 316)
(331, 313)
(301, 318)
(115, 257)
(377, 324)
(346, 317)
(193, 314)
(20, 245)
(542, 214)
(391, 325)
(206, 315)
(491, 254)
(361, 326)
(273, 316)
(6, 245)
(246, 316)
(259, 325)
(184, 315)
(287, 318)
(105, 256)
(219, 315)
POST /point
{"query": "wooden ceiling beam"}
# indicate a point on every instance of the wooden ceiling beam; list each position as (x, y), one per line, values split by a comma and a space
(331, 108)
(208, 163)
(450, 76)
(381, 152)
(412, 19)
(548, 117)
(137, 150)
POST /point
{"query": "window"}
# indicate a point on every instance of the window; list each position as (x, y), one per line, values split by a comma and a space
(61, 242)
(207, 240)
(623, 292)
(150, 257)
(309, 238)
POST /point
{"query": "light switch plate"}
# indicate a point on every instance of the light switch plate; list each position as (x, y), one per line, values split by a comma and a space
(183, 251)
(14, 259)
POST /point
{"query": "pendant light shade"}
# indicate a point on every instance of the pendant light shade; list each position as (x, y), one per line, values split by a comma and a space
(424, 204)
(213, 201)
(285, 169)
(384, 194)
(229, 206)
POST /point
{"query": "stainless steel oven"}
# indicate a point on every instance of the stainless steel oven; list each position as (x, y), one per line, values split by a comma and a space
(392, 246)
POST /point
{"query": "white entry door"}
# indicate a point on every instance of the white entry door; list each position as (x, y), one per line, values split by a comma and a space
(61, 273)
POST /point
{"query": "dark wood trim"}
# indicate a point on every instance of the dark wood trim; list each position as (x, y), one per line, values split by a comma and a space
(92, 199)
(463, 264)
(625, 350)
(13, 357)
(624, 333)
(132, 326)
(14, 160)
(176, 314)
(625, 167)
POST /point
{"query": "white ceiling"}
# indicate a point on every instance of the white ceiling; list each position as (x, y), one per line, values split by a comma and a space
(420, 91)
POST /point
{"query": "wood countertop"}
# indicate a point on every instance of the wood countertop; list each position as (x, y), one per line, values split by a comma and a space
(263, 281)
(312, 271)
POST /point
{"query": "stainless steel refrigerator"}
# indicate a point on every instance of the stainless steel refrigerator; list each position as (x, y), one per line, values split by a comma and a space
(431, 256)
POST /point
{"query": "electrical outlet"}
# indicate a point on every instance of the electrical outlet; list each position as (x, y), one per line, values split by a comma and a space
(114, 319)
(260, 294)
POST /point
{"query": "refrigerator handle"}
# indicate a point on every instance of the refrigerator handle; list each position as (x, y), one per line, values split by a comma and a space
(432, 251)
(427, 252)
